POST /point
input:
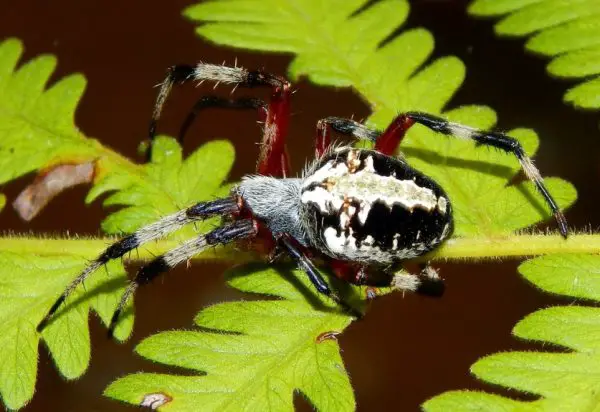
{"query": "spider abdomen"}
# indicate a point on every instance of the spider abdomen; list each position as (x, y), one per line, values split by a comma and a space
(368, 207)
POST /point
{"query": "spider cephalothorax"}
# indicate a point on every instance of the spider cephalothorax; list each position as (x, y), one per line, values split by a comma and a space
(361, 211)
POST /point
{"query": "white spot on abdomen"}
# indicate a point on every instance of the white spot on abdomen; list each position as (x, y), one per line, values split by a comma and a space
(338, 244)
(318, 196)
(442, 205)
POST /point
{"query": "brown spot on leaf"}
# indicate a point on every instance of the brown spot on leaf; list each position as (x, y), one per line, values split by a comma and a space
(155, 400)
(330, 335)
(49, 184)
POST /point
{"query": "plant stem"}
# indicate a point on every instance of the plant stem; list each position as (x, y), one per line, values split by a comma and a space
(472, 248)
(91, 247)
(516, 246)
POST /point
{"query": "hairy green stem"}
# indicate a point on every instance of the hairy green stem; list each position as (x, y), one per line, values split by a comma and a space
(477, 248)
(472, 248)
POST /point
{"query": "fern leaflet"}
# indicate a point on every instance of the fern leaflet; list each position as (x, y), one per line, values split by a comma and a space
(336, 47)
(37, 133)
(337, 43)
(254, 354)
(567, 31)
(565, 381)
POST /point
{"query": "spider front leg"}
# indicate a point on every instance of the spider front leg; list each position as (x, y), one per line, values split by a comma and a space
(238, 230)
(273, 159)
(386, 142)
(343, 126)
(159, 229)
(304, 263)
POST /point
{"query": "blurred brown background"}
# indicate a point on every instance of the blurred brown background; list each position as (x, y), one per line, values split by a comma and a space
(407, 349)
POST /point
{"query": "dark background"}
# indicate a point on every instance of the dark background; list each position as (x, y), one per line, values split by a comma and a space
(407, 349)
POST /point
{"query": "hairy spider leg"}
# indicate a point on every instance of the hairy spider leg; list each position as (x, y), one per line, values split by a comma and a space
(159, 229)
(388, 142)
(240, 229)
(494, 139)
(427, 282)
(423, 284)
(273, 159)
(343, 126)
(297, 253)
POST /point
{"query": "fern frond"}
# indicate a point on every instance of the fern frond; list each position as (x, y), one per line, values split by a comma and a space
(37, 133)
(254, 355)
(567, 31)
(22, 306)
(37, 128)
(564, 381)
(337, 43)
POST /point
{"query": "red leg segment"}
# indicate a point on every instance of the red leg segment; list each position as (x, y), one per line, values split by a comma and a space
(273, 159)
(388, 142)
(348, 272)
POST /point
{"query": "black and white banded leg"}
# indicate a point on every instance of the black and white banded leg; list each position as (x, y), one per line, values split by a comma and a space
(159, 229)
(343, 126)
(404, 121)
(500, 141)
(237, 76)
(305, 264)
(238, 230)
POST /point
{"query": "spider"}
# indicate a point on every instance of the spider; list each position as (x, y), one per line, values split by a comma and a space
(362, 211)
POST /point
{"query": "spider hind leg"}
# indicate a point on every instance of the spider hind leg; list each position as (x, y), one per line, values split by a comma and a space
(427, 283)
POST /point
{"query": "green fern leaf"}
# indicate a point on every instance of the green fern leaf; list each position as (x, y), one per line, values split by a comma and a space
(37, 127)
(37, 132)
(570, 275)
(568, 31)
(22, 307)
(253, 356)
(324, 37)
(334, 46)
(67, 336)
(565, 381)
(169, 184)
